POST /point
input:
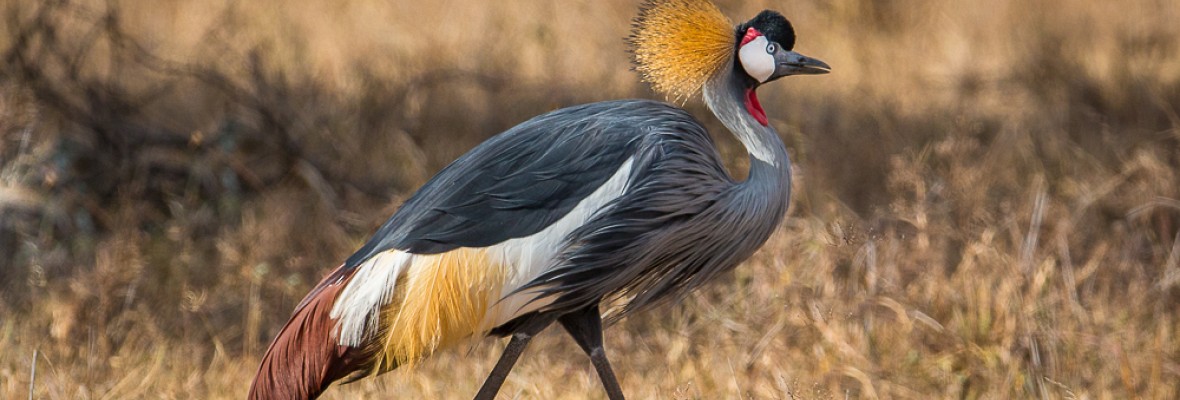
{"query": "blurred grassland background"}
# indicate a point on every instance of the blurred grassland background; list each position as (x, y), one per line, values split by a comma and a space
(986, 198)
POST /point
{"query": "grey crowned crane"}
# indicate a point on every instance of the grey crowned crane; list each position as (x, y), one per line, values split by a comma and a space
(619, 202)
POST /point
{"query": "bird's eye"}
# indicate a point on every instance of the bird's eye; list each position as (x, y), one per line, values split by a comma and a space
(770, 48)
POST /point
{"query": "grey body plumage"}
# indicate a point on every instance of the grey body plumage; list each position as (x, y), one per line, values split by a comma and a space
(681, 221)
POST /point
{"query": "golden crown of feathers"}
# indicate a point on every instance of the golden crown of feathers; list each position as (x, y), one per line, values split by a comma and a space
(680, 44)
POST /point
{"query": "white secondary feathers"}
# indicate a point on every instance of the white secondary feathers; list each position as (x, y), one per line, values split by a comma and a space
(358, 307)
(757, 59)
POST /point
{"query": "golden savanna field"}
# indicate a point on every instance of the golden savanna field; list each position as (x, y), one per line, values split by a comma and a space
(986, 201)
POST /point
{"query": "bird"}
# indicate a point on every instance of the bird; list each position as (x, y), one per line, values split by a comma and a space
(618, 205)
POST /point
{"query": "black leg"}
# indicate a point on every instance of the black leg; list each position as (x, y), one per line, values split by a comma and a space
(520, 340)
(586, 327)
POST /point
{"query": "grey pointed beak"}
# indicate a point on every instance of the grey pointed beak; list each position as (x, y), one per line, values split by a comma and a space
(792, 63)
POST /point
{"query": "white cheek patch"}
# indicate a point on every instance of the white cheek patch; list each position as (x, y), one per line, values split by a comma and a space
(757, 62)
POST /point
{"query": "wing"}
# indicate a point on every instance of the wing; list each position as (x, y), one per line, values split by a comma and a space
(520, 181)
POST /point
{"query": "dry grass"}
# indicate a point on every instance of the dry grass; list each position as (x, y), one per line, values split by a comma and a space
(986, 203)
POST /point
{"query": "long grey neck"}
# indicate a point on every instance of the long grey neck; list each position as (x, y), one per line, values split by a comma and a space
(770, 167)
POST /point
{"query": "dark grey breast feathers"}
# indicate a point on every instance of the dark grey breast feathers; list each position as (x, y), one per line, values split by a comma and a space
(682, 221)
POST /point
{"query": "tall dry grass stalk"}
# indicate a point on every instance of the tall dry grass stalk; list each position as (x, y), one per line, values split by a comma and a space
(986, 201)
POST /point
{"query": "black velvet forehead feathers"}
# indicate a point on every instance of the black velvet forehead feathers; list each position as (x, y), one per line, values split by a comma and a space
(773, 25)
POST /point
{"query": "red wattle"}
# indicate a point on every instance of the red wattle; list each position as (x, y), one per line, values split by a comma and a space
(754, 108)
(751, 34)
